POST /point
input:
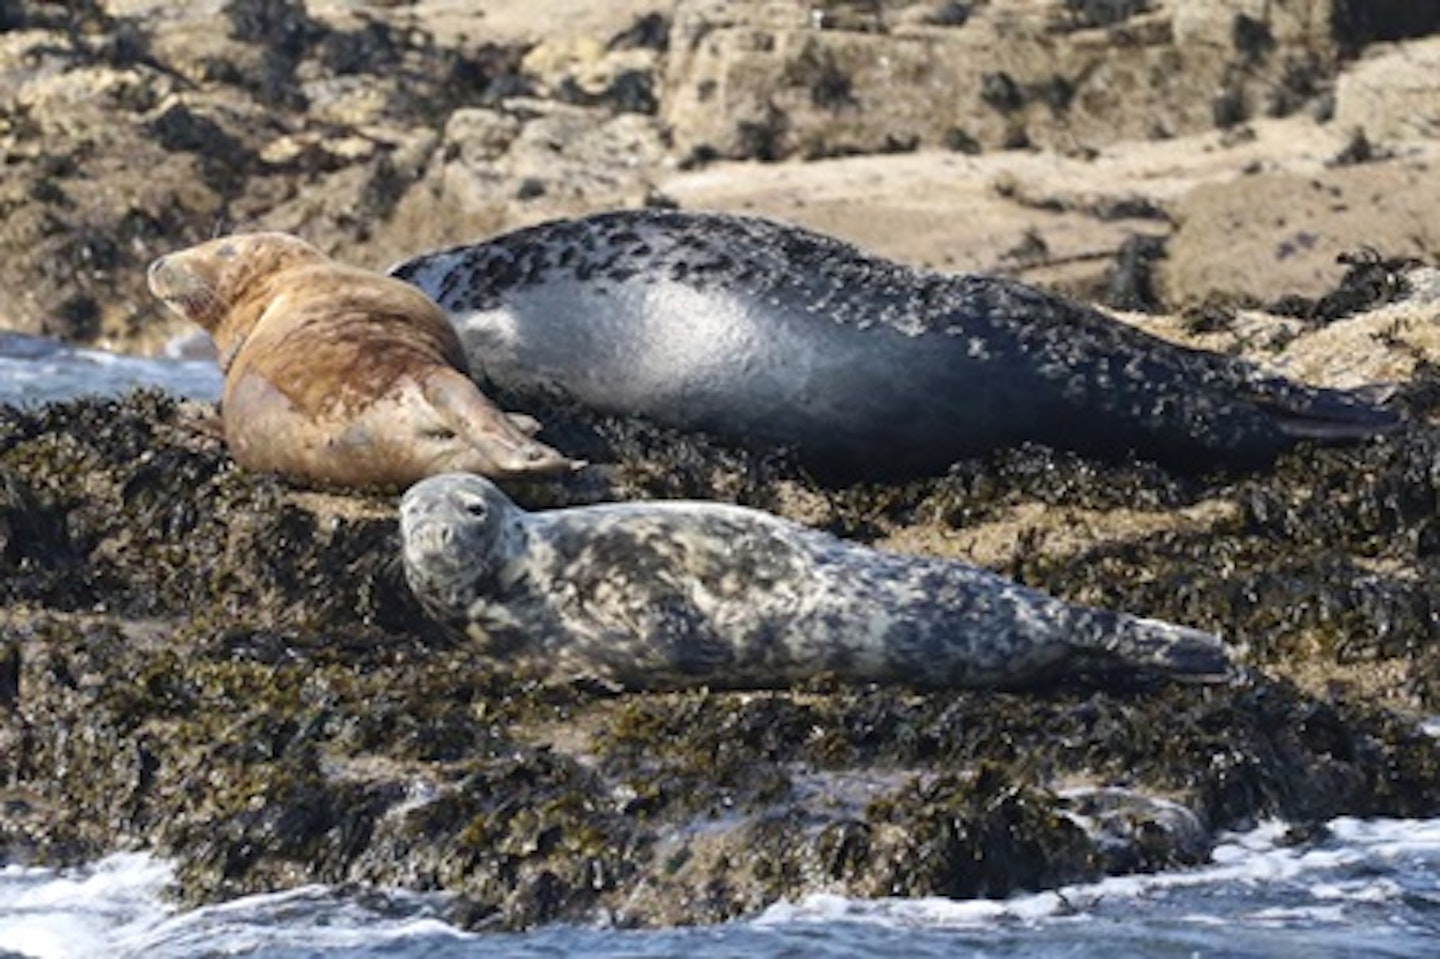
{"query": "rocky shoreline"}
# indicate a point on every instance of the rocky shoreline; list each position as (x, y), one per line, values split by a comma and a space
(230, 672)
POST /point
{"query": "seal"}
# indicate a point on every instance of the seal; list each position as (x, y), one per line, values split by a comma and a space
(661, 595)
(774, 336)
(337, 375)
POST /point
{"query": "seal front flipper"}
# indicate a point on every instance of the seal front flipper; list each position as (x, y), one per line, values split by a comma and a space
(525, 423)
(501, 445)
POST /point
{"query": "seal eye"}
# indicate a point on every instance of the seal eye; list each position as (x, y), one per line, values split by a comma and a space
(226, 251)
(474, 505)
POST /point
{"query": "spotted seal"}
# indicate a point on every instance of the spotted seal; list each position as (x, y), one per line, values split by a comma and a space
(655, 595)
(773, 335)
(339, 375)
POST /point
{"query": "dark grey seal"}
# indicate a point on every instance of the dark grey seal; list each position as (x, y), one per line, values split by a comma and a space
(778, 337)
(657, 595)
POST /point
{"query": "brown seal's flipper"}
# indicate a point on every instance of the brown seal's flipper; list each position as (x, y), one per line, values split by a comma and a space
(502, 442)
(524, 422)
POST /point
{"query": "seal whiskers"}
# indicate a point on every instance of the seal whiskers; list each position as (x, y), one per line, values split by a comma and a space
(654, 595)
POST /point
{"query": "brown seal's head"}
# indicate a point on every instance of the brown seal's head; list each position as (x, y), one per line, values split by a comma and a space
(224, 284)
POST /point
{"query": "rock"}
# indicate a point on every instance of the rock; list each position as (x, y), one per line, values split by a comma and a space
(1254, 25)
(210, 664)
(779, 83)
(1313, 219)
(1390, 93)
(132, 127)
(229, 671)
(493, 170)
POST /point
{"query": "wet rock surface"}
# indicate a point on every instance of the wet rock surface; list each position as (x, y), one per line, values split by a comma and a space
(230, 671)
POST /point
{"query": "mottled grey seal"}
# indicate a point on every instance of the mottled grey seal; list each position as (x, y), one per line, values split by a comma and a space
(776, 336)
(339, 375)
(654, 595)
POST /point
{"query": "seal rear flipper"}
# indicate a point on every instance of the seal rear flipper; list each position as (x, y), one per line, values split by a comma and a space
(1135, 646)
(1324, 414)
(1190, 655)
(505, 448)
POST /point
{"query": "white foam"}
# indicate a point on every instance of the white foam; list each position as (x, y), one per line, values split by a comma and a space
(1367, 868)
(115, 908)
(1359, 890)
(1240, 861)
(85, 912)
(33, 370)
(320, 918)
(1389, 836)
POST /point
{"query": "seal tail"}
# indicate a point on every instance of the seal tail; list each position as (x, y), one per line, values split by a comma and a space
(1136, 646)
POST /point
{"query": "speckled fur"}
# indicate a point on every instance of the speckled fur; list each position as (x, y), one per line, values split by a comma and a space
(777, 336)
(656, 595)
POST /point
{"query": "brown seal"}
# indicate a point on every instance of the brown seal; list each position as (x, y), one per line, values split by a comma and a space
(338, 375)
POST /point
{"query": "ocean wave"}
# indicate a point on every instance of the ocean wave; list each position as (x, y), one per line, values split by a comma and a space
(1367, 887)
(36, 370)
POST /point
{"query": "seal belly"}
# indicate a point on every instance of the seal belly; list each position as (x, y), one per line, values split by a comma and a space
(767, 372)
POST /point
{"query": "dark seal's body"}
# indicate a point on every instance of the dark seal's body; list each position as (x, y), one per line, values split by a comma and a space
(776, 336)
(659, 595)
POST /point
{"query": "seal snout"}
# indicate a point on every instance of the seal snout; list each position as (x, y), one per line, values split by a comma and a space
(177, 286)
(445, 523)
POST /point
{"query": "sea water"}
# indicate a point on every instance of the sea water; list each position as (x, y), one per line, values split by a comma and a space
(37, 370)
(1361, 888)
(1367, 889)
